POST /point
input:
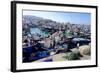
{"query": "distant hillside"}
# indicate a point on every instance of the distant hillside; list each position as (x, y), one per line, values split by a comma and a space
(34, 21)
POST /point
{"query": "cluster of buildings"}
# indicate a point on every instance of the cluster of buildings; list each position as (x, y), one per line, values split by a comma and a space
(75, 29)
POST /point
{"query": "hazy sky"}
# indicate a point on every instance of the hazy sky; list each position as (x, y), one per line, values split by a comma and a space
(72, 17)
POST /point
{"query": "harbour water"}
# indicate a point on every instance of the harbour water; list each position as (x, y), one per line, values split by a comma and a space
(39, 31)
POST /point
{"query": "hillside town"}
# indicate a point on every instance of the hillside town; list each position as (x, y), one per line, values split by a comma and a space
(43, 38)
